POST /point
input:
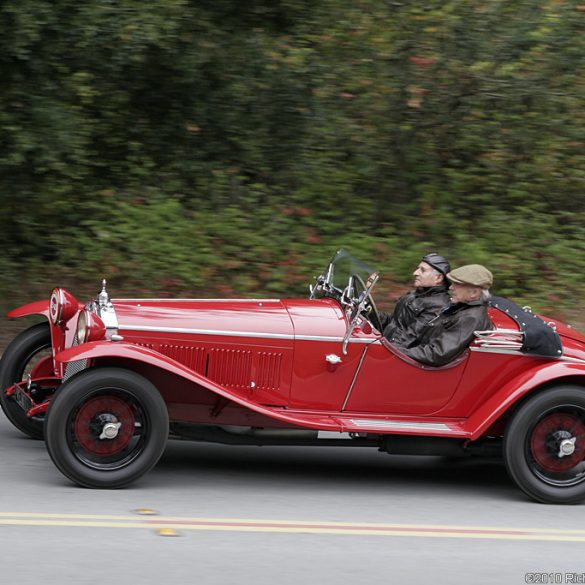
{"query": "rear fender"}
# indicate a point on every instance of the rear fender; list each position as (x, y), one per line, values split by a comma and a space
(510, 394)
(136, 353)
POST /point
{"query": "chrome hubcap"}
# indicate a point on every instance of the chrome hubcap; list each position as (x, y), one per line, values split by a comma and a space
(110, 430)
(567, 447)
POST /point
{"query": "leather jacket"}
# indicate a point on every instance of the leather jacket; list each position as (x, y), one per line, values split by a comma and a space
(449, 334)
(412, 312)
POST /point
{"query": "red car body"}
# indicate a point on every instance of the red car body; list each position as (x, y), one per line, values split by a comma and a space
(271, 371)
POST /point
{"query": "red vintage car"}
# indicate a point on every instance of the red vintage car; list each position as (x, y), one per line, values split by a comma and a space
(108, 382)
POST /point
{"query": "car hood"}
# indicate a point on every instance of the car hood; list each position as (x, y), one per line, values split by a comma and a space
(261, 317)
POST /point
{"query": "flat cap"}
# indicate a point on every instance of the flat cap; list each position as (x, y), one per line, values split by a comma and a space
(472, 275)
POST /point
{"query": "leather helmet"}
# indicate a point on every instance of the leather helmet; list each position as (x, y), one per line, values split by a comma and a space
(438, 263)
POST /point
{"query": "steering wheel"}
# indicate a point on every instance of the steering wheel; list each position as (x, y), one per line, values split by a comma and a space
(365, 299)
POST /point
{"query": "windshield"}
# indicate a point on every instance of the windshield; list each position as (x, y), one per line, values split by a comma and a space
(350, 282)
(344, 270)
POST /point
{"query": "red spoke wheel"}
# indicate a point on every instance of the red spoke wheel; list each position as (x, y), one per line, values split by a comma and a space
(544, 445)
(97, 416)
(557, 443)
(106, 427)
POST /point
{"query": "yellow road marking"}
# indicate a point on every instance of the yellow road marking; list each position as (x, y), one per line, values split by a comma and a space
(146, 512)
(167, 532)
(179, 523)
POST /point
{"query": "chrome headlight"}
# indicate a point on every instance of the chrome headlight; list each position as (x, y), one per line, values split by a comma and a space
(82, 329)
(89, 327)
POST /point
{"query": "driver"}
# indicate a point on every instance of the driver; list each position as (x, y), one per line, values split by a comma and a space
(415, 309)
(449, 334)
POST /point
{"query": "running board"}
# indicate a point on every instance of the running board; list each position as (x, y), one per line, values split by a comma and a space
(367, 423)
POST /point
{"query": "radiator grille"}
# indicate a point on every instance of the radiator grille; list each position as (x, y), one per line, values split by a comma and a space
(73, 368)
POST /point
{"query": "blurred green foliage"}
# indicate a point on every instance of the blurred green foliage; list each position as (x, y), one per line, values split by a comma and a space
(229, 147)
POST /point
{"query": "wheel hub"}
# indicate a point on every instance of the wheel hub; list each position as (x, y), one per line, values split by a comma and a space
(567, 447)
(558, 442)
(104, 425)
(110, 430)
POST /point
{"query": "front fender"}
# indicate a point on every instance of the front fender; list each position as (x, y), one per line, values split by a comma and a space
(36, 308)
(517, 388)
(128, 351)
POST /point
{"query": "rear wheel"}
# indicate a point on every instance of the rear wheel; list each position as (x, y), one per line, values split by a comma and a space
(23, 353)
(106, 428)
(544, 446)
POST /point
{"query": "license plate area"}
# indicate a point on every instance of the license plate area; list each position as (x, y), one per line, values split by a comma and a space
(22, 399)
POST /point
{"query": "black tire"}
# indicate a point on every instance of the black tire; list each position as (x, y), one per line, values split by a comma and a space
(79, 414)
(21, 351)
(544, 446)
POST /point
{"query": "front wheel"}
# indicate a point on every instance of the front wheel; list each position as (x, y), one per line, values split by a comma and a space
(25, 353)
(106, 428)
(544, 446)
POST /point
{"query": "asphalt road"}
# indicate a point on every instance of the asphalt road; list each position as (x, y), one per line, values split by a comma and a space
(281, 515)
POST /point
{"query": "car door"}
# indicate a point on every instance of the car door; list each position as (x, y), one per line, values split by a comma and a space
(389, 382)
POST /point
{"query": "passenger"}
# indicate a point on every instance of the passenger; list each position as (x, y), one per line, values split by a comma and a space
(450, 333)
(415, 309)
